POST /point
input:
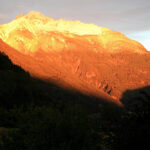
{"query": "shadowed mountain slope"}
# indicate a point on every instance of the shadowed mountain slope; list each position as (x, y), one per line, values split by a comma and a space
(39, 115)
(35, 114)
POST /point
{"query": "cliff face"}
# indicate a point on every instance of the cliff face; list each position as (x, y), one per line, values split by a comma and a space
(86, 57)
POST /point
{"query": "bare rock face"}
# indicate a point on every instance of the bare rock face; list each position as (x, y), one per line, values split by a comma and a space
(82, 56)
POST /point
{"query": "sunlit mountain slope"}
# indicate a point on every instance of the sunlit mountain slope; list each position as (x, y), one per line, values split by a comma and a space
(34, 31)
(75, 55)
(52, 72)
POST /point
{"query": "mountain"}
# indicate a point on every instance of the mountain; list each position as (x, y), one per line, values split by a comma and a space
(33, 32)
(91, 59)
(67, 120)
(32, 65)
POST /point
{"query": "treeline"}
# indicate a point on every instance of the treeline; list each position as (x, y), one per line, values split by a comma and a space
(35, 115)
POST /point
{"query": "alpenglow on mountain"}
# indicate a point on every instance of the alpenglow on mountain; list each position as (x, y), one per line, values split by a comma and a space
(84, 57)
(33, 32)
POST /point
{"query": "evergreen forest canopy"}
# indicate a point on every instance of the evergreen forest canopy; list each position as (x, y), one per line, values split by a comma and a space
(35, 115)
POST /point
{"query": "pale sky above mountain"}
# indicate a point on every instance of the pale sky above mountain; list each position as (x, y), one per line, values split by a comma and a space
(129, 17)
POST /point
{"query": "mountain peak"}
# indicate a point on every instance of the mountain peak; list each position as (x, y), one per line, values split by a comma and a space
(31, 15)
(35, 14)
(38, 22)
(20, 16)
(34, 31)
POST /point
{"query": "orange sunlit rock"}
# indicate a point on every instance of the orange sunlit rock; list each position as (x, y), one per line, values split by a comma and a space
(94, 60)
(34, 31)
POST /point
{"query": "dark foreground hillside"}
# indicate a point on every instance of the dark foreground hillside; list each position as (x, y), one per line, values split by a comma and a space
(35, 115)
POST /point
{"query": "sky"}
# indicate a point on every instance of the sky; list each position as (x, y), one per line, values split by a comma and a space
(131, 17)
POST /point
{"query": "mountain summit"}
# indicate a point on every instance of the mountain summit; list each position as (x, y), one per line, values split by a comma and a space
(32, 32)
(90, 59)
